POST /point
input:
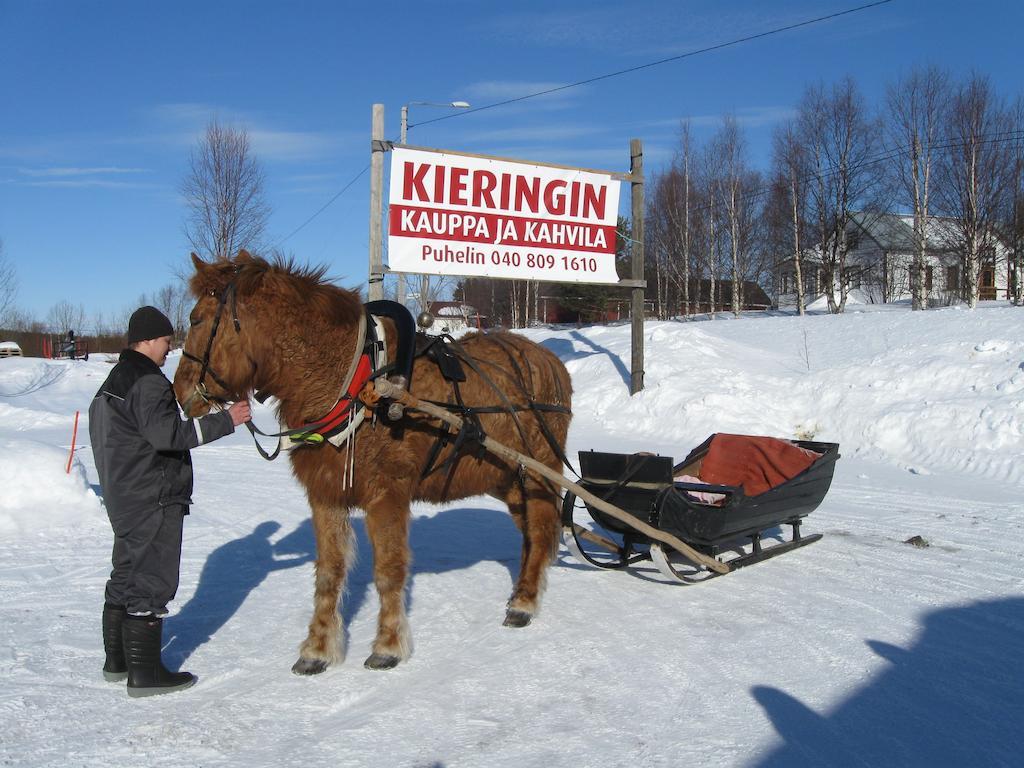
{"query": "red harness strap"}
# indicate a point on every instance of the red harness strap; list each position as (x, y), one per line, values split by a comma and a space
(335, 420)
(340, 412)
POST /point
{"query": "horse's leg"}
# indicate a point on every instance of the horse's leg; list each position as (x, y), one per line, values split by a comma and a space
(387, 523)
(335, 552)
(537, 518)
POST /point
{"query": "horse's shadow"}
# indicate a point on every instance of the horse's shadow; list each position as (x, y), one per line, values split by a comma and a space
(230, 573)
(453, 539)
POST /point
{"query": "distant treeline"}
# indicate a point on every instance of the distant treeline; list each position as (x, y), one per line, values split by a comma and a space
(33, 343)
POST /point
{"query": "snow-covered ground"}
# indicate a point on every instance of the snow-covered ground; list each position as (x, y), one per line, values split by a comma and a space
(857, 650)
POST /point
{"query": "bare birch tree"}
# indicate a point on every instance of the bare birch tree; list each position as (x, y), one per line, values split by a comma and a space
(789, 159)
(712, 225)
(915, 107)
(1013, 218)
(974, 171)
(8, 287)
(175, 301)
(840, 137)
(65, 316)
(682, 195)
(685, 163)
(669, 226)
(223, 191)
(728, 145)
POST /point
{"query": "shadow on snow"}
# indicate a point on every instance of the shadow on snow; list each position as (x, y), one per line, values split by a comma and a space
(566, 351)
(955, 698)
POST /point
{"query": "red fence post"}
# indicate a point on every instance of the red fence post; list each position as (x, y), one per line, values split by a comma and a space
(74, 435)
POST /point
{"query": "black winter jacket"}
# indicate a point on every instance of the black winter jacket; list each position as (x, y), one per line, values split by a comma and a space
(139, 441)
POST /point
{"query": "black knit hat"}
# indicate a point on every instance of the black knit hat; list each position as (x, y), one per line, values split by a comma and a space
(148, 323)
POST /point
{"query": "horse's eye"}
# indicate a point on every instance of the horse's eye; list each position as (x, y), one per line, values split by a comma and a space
(194, 321)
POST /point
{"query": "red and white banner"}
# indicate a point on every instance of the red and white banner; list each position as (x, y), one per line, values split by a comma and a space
(472, 215)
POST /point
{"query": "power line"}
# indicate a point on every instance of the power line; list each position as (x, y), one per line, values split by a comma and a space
(689, 54)
(323, 208)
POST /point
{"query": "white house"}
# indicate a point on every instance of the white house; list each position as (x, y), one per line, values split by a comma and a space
(878, 263)
(454, 317)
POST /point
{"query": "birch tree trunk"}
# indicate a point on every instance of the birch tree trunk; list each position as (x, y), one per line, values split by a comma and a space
(976, 175)
(915, 113)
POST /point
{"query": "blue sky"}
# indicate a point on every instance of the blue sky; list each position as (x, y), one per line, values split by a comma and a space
(101, 103)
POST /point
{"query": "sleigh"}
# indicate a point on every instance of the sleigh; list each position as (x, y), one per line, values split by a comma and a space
(729, 501)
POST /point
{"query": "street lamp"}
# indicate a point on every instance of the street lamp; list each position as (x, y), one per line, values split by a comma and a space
(405, 111)
(400, 291)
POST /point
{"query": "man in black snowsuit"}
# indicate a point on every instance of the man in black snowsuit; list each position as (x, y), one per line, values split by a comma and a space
(141, 447)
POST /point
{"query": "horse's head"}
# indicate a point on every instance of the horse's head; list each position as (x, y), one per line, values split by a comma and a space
(262, 325)
(217, 364)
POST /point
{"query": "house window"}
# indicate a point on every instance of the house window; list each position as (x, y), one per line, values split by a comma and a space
(928, 279)
(953, 278)
(811, 281)
(787, 282)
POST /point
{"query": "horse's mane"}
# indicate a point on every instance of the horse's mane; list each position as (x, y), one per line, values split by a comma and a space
(303, 285)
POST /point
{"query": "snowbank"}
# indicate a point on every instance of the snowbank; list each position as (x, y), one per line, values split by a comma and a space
(38, 494)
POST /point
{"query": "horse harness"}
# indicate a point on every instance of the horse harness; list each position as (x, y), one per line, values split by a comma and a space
(449, 357)
(370, 361)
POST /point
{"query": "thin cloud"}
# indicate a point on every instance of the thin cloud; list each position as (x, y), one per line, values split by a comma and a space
(72, 171)
(634, 30)
(294, 145)
(750, 117)
(186, 125)
(85, 183)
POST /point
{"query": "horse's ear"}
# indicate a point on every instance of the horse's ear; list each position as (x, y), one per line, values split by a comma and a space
(243, 256)
(205, 279)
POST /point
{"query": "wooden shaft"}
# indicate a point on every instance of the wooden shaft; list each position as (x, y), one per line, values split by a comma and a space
(373, 391)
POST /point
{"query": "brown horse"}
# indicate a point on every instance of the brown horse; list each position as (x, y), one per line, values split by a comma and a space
(282, 330)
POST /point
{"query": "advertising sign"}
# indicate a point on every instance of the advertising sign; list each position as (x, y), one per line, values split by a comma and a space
(452, 214)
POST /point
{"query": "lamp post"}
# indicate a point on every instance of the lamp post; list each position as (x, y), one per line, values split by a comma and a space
(405, 130)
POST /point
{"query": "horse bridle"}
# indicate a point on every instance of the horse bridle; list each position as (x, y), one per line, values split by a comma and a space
(200, 390)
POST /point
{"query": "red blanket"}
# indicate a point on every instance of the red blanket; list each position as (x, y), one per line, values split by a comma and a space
(758, 464)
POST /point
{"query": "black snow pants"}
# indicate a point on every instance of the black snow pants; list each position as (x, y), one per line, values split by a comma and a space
(146, 559)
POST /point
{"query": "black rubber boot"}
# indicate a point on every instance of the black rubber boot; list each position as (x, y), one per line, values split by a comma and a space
(115, 668)
(147, 675)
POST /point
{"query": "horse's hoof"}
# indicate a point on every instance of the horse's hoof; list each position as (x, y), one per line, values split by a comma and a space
(517, 618)
(309, 666)
(381, 661)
